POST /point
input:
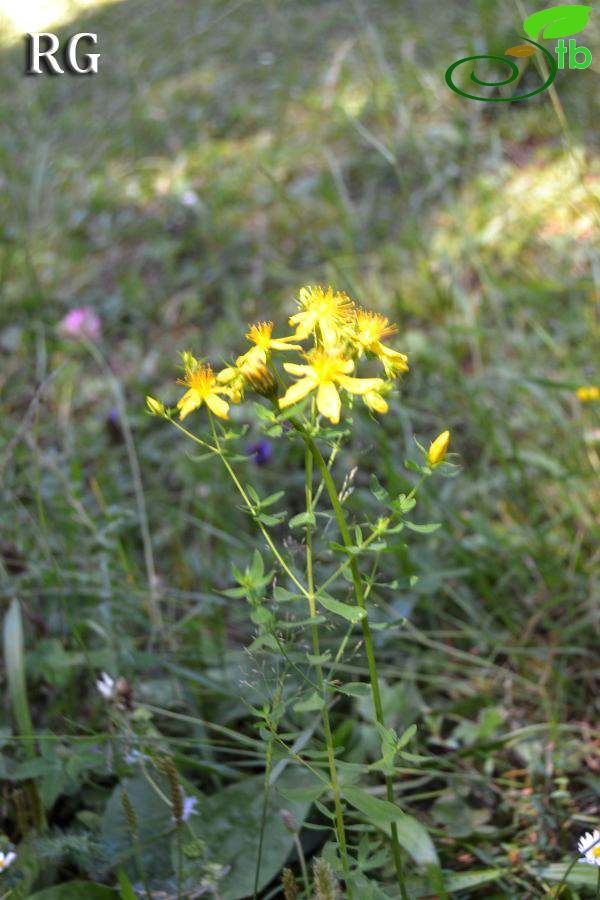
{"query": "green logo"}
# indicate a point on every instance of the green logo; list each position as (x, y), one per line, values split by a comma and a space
(556, 22)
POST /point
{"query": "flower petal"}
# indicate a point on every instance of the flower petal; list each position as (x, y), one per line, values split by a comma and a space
(283, 343)
(360, 385)
(376, 402)
(300, 370)
(328, 402)
(217, 405)
(297, 392)
(190, 401)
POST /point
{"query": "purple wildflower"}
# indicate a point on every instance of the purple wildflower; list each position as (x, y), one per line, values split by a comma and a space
(81, 323)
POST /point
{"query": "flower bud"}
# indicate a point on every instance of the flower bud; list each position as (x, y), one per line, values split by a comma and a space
(155, 406)
(438, 448)
(260, 379)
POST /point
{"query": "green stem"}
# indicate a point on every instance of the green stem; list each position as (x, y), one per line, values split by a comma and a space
(366, 629)
(339, 813)
(263, 818)
(217, 450)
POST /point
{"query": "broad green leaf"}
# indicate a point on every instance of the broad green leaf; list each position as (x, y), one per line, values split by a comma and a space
(558, 21)
(229, 826)
(581, 875)
(76, 890)
(350, 613)
(381, 813)
(155, 825)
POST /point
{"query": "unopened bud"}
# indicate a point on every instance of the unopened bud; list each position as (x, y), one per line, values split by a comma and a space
(260, 379)
(438, 448)
(155, 406)
(289, 821)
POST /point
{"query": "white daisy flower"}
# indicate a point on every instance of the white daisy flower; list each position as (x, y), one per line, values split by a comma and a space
(6, 859)
(106, 686)
(589, 845)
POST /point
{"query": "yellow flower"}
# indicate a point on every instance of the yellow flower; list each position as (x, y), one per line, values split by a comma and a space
(202, 388)
(588, 392)
(325, 372)
(438, 448)
(326, 313)
(261, 335)
(370, 329)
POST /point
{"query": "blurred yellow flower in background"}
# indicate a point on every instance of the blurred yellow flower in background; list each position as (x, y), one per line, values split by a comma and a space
(588, 392)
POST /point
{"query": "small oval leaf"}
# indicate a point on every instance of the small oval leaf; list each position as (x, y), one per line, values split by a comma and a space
(521, 50)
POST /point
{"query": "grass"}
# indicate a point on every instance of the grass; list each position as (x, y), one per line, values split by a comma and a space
(224, 156)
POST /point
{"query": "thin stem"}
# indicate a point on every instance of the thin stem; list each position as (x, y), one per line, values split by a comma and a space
(339, 813)
(218, 451)
(366, 629)
(138, 487)
(263, 817)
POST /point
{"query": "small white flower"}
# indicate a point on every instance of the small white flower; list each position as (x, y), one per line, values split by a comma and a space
(106, 686)
(190, 198)
(189, 807)
(589, 845)
(6, 859)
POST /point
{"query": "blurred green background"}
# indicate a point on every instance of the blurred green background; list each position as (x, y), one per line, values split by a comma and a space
(225, 155)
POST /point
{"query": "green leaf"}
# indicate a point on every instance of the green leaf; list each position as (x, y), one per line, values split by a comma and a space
(406, 736)
(155, 821)
(423, 529)
(582, 874)
(351, 613)
(381, 813)
(377, 489)
(14, 661)
(127, 892)
(315, 701)
(229, 827)
(76, 890)
(558, 21)
(282, 595)
(354, 689)
(304, 518)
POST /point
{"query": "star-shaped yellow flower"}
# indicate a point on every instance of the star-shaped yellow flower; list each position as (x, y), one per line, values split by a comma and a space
(327, 313)
(202, 388)
(370, 329)
(261, 335)
(326, 372)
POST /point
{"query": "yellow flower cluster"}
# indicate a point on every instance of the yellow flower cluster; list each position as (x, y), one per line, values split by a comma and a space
(588, 393)
(339, 335)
